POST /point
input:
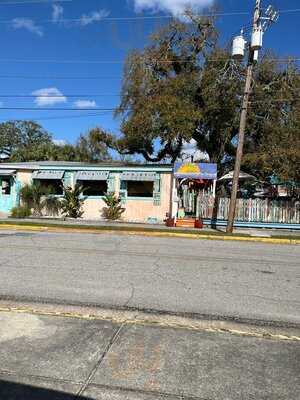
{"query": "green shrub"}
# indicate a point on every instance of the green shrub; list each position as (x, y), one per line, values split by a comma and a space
(32, 197)
(52, 205)
(114, 209)
(72, 202)
(20, 212)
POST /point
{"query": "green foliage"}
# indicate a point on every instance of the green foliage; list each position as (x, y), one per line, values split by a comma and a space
(28, 141)
(159, 102)
(52, 205)
(72, 202)
(114, 209)
(20, 212)
(33, 197)
(22, 138)
(273, 131)
(184, 86)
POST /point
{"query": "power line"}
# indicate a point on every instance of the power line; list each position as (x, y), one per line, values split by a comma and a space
(109, 109)
(132, 18)
(8, 3)
(58, 77)
(99, 114)
(57, 96)
(55, 109)
(283, 60)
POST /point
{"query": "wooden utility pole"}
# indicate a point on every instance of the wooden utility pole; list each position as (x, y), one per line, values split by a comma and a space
(243, 120)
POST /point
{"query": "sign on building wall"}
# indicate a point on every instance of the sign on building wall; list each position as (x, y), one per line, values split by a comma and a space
(195, 171)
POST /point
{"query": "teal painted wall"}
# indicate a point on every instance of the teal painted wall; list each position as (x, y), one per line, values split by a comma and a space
(7, 202)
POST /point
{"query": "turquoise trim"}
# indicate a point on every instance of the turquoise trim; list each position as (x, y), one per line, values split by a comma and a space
(140, 198)
(93, 197)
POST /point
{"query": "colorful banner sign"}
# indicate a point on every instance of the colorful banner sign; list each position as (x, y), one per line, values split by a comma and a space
(195, 171)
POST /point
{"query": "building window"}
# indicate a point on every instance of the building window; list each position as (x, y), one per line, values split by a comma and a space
(139, 189)
(93, 188)
(54, 185)
(6, 186)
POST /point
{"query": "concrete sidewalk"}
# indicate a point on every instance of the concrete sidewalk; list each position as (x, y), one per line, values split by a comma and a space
(58, 358)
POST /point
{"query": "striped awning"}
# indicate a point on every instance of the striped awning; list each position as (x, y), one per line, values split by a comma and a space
(92, 175)
(48, 174)
(7, 172)
(138, 176)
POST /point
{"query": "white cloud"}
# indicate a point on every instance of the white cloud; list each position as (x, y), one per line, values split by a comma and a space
(48, 97)
(94, 16)
(190, 150)
(57, 13)
(85, 104)
(28, 24)
(59, 142)
(175, 7)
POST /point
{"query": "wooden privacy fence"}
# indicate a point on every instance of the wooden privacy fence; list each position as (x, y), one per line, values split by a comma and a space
(252, 210)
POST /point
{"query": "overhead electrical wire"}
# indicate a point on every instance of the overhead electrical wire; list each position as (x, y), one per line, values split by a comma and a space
(57, 117)
(58, 77)
(57, 96)
(282, 60)
(56, 109)
(110, 109)
(15, 3)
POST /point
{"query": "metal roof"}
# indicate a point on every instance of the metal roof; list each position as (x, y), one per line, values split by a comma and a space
(75, 166)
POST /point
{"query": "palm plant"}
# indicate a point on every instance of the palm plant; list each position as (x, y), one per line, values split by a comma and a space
(52, 205)
(114, 209)
(72, 202)
(32, 197)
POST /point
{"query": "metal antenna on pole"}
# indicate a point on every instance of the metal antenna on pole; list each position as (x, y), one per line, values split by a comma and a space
(256, 44)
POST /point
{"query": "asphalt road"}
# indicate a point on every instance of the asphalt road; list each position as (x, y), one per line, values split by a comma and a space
(219, 279)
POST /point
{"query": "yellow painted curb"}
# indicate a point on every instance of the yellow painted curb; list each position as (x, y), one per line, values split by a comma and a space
(151, 321)
(151, 234)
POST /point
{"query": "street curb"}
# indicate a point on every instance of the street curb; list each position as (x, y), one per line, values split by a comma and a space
(101, 230)
(155, 320)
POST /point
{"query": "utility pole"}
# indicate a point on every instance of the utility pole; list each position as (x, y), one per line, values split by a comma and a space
(255, 45)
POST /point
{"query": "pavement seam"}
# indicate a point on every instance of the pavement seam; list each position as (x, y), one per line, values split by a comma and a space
(41, 377)
(151, 322)
(103, 354)
(153, 234)
(108, 387)
(164, 395)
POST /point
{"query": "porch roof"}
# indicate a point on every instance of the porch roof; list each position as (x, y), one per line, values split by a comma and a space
(7, 172)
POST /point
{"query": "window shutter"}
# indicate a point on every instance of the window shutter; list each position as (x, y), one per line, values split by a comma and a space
(157, 191)
(123, 192)
(68, 179)
(17, 188)
(111, 183)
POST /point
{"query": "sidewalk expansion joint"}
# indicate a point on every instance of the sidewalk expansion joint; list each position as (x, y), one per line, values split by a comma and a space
(160, 395)
(99, 362)
(155, 321)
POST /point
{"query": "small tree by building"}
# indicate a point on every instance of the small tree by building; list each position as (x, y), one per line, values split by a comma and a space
(114, 209)
(39, 198)
(72, 202)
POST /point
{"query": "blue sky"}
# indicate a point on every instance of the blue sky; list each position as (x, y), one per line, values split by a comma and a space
(34, 31)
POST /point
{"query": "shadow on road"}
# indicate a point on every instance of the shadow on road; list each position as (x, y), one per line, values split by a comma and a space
(17, 391)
